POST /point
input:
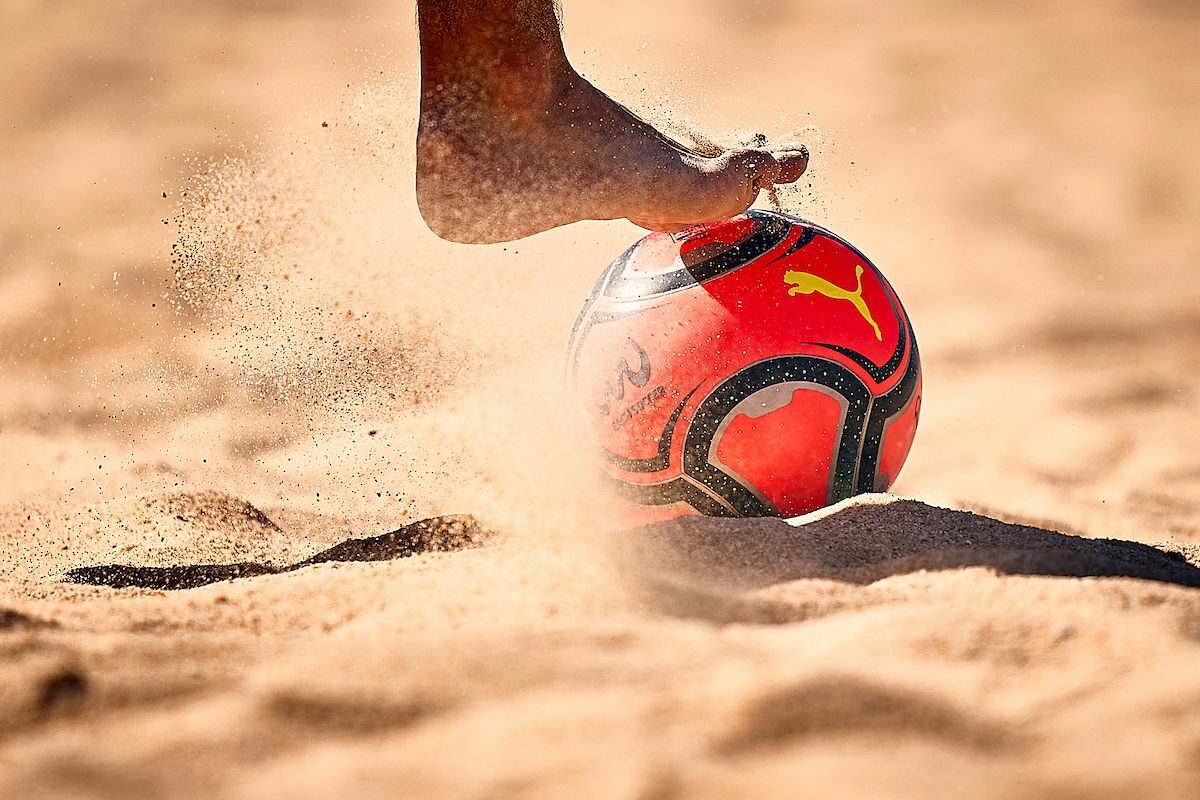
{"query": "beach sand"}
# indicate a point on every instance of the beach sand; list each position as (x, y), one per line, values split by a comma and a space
(292, 362)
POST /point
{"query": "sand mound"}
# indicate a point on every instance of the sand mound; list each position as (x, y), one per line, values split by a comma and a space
(157, 529)
(437, 535)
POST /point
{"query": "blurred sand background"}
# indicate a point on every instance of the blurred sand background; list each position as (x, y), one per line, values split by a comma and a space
(318, 366)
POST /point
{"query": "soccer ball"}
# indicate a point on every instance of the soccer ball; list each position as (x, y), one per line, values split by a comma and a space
(759, 366)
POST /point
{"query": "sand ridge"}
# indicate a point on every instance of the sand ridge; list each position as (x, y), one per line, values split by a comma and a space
(702, 654)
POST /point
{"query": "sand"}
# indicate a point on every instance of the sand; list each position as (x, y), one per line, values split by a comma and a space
(256, 430)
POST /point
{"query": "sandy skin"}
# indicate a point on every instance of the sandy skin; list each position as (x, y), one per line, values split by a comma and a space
(513, 141)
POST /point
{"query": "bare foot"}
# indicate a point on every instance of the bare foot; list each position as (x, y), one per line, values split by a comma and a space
(513, 141)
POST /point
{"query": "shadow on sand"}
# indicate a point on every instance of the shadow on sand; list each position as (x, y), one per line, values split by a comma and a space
(677, 564)
(436, 535)
(706, 567)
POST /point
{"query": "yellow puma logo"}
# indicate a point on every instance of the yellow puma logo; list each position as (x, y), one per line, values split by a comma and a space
(807, 283)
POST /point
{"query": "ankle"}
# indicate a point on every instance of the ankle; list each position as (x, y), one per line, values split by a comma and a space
(535, 70)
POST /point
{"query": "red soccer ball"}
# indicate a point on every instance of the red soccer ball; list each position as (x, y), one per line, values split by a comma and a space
(760, 366)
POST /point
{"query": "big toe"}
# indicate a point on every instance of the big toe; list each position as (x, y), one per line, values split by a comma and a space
(793, 162)
(765, 168)
(728, 186)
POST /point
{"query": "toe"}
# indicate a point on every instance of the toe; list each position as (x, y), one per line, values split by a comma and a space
(752, 168)
(766, 168)
(743, 173)
(725, 186)
(792, 163)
